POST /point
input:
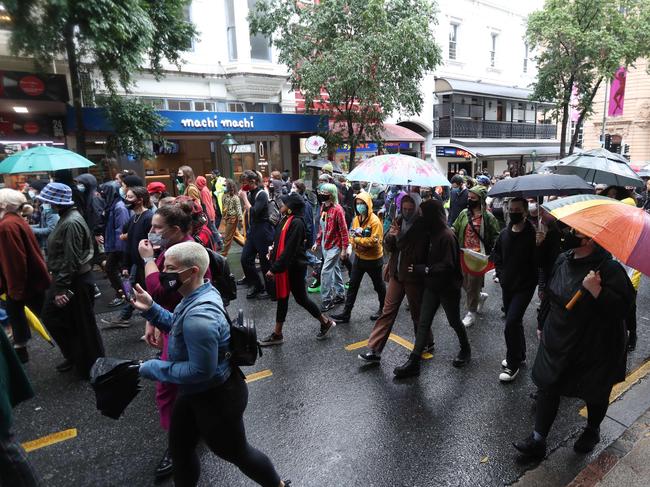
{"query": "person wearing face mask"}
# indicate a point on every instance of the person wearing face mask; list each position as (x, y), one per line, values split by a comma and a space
(23, 273)
(477, 229)
(47, 219)
(299, 188)
(458, 197)
(515, 258)
(68, 311)
(157, 191)
(407, 243)
(212, 391)
(333, 239)
(366, 236)
(170, 225)
(186, 183)
(233, 217)
(581, 350)
(289, 264)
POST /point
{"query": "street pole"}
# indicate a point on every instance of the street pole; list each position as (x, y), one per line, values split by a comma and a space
(602, 132)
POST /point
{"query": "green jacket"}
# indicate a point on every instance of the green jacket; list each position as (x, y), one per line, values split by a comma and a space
(489, 230)
(69, 248)
(14, 385)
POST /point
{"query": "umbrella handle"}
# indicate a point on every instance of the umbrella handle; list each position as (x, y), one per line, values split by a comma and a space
(574, 300)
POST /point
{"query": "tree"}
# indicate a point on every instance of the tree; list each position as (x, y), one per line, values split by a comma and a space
(581, 44)
(114, 38)
(356, 61)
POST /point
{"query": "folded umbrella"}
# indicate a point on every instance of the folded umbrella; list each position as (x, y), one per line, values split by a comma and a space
(115, 382)
(535, 185)
(399, 169)
(34, 323)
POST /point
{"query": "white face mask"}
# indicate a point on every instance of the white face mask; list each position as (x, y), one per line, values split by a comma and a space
(81, 188)
(31, 194)
(46, 206)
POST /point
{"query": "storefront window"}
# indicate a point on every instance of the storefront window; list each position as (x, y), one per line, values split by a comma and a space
(185, 105)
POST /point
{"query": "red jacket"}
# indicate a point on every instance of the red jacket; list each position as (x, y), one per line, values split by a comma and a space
(336, 230)
(23, 271)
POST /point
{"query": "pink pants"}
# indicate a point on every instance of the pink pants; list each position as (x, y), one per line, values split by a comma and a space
(165, 393)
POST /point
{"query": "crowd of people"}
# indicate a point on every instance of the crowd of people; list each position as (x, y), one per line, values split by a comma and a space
(409, 240)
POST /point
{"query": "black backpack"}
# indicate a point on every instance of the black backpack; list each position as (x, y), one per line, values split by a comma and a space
(244, 347)
(221, 277)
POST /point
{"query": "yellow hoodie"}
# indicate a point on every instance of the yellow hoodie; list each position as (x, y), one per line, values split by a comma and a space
(368, 247)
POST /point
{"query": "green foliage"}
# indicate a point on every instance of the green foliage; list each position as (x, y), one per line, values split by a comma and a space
(582, 43)
(365, 57)
(135, 126)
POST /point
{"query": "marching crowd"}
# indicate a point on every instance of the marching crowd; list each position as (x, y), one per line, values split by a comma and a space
(165, 255)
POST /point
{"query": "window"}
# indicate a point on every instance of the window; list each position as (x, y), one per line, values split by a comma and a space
(525, 57)
(231, 31)
(236, 106)
(204, 106)
(185, 105)
(187, 16)
(493, 51)
(453, 39)
(260, 45)
(157, 103)
(5, 18)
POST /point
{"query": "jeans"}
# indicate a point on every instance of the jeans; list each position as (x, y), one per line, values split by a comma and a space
(331, 278)
(515, 304)
(15, 469)
(431, 301)
(17, 318)
(257, 244)
(547, 406)
(374, 269)
(216, 417)
(299, 291)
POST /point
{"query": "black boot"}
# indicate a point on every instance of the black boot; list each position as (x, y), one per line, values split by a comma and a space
(165, 467)
(343, 316)
(410, 368)
(465, 353)
(375, 316)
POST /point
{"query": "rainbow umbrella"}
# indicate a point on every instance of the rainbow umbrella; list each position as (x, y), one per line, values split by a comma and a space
(399, 169)
(619, 228)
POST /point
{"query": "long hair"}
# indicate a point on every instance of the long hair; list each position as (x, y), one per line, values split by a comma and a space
(188, 175)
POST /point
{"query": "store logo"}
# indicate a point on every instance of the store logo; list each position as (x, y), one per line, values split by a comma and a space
(32, 86)
(226, 123)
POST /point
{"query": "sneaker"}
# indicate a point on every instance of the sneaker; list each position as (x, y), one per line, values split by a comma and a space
(481, 302)
(326, 306)
(530, 447)
(462, 359)
(324, 329)
(271, 340)
(376, 315)
(242, 282)
(429, 348)
(370, 356)
(410, 368)
(339, 300)
(347, 285)
(313, 289)
(253, 293)
(265, 295)
(470, 319)
(341, 317)
(98, 293)
(116, 302)
(588, 440)
(116, 322)
(287, 483)
(504, 363)
(508, 375)
(165, 467)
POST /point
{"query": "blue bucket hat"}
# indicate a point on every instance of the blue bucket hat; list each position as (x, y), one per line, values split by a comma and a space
(56, 194)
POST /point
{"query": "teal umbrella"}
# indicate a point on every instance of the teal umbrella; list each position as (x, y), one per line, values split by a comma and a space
(42, 159)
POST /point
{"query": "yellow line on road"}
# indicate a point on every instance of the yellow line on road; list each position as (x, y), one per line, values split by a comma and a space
(621, 388)
(262, 374)
(50, 439)
(392, 337)
(357, 345)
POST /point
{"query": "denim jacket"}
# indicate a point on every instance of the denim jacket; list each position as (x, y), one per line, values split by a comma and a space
(199, 337)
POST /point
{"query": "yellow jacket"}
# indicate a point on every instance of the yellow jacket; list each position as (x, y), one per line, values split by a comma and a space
(367, 247)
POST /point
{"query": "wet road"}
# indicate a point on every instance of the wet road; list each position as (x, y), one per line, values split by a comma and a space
(323, 417)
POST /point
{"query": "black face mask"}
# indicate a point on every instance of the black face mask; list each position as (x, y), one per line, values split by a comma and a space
(570, 241)
(129, 205)
(170, 281)
(322, 198)
(516, 218)
(179, 179)
(473, 204)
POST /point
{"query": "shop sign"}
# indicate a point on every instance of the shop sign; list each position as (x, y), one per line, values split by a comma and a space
(445, 151)
(20, 85)
(374, 147)
(12, 125)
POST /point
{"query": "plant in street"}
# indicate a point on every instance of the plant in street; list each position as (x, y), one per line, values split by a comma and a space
(356, 61)
(581, 44)
(112, 38)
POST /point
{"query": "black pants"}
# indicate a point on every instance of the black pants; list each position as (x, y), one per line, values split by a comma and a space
(73, 327)
(216, 417)
(298, 288)
(431, 301)
(257, 244)
(515, 304)
(113, 271)
(15, 469)
(549, 402)
(18, 319)
(360, 267)
(630, 319)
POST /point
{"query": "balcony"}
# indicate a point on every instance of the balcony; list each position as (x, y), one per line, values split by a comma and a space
(488, 129)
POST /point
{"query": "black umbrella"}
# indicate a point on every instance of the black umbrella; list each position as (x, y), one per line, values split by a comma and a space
(319, 163)
(115, 382)
(536, 185)
(600, 166)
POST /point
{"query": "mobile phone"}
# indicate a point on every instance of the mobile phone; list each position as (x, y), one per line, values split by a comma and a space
(127, 287)
(69, 294)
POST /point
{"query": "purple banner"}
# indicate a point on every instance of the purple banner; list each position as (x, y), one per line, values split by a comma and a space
(617, 93)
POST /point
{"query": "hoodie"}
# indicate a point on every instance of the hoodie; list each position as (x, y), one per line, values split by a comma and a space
(93, 204)
(206, 198)
(367, 231)
(332, 230)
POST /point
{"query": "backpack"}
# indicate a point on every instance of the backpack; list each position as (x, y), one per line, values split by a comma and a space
(221, 277)
(273, 209)
(244, 347)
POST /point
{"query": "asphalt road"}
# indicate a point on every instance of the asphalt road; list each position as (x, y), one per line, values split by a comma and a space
(323, 417)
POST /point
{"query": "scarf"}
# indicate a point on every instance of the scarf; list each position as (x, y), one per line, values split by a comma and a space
(282, 278)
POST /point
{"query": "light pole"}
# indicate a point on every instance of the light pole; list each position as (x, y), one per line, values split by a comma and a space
(230, 144)
(533, 156)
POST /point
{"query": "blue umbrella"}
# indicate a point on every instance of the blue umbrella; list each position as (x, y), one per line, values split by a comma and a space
(43, 159)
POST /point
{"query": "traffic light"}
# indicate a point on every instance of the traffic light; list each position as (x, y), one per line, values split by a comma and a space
(608, 141)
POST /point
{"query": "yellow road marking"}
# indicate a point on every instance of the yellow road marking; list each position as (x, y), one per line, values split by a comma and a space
(50, 439)
(262, 374)
(355, 346)
(619, 389)
(392, 337)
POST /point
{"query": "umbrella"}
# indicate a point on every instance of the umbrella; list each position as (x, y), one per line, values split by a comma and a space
(319, 163)
(115, 382)
(43, 159)
(621, 229)
(535, 185)
(399, 169)
(644, 172)
(600, 166)
(547, 167)
(34, 323)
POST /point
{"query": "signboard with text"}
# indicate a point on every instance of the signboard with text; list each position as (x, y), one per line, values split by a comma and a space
(445, 151)
(20, 85)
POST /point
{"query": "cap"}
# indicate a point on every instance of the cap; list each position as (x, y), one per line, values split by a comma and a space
(156, 187)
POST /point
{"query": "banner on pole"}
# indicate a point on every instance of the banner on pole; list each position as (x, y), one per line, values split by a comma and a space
(617, 93)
